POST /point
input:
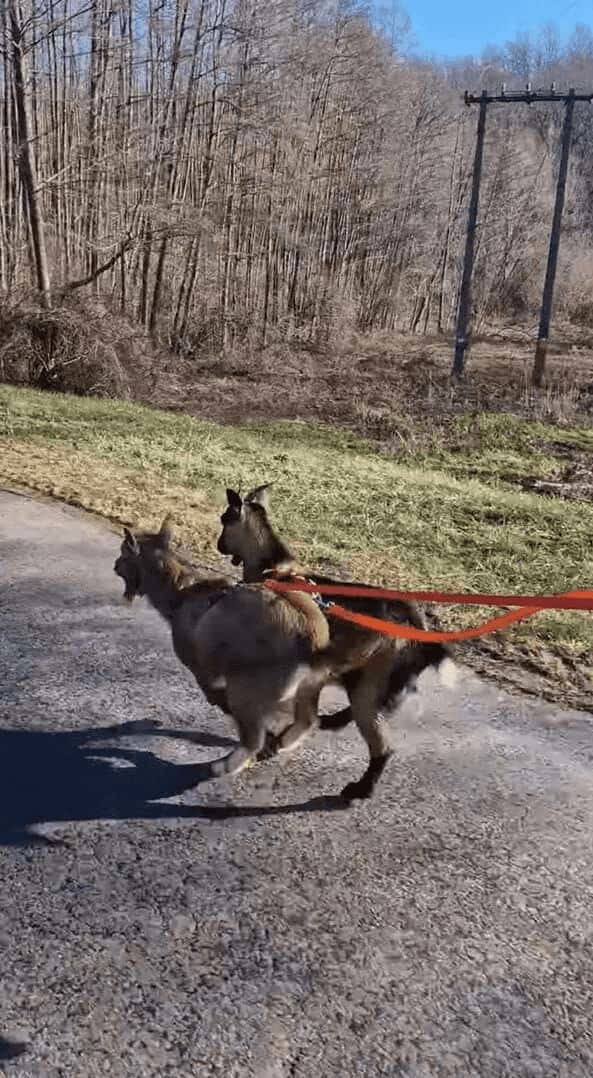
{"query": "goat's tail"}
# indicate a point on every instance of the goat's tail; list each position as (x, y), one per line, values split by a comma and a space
(409, 663)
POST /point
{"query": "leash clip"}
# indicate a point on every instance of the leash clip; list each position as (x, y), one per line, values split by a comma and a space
(323, 604)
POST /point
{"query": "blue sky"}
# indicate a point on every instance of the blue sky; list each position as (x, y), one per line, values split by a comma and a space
(463, 27)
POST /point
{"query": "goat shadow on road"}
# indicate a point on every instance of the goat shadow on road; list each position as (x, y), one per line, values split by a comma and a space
(68, 776)
(10, 1050)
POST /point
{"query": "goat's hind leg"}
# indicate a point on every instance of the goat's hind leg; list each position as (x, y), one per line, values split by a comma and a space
(365, 712)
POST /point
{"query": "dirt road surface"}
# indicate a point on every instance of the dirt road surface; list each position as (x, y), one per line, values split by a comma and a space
(155, 923)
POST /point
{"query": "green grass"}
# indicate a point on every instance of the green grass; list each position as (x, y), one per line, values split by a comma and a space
(496, 445)
(447, 518)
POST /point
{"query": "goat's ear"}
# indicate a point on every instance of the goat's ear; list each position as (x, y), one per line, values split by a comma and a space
(165, 533)
(131, 541)
(259, 496)
(233, 498)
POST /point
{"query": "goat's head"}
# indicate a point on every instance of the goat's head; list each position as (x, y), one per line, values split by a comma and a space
(243, 523)
(134, 552)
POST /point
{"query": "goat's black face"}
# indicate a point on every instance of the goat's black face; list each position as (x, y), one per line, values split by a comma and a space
(241, 520)
(229, 520)
(128, 569)
(129, 564)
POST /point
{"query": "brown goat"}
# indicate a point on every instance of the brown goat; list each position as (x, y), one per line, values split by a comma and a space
(260, 656)
(374, 670)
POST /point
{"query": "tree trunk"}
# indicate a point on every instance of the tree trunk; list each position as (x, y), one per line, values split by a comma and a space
(26, 154)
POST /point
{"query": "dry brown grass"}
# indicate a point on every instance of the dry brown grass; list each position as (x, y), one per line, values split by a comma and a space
(119, 494)
(395, 390)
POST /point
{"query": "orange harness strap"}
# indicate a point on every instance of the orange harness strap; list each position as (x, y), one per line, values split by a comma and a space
(529, 605)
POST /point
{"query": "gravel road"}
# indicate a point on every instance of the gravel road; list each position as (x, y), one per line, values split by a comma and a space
(153, 923)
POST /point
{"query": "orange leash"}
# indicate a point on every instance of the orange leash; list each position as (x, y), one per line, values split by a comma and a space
(528, 604)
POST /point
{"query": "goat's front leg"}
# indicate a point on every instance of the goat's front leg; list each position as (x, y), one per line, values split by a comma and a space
(216, 694)
(306, 704)
(252, 733)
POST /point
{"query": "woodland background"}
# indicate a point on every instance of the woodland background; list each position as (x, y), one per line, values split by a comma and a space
(232, 172)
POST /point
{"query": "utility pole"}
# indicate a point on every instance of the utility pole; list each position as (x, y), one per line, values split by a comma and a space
(527, 97)
(541, 349)
(465, 296)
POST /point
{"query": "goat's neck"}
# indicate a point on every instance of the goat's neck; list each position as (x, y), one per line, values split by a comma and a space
(269, 556)
(162, 595)
(163, 584)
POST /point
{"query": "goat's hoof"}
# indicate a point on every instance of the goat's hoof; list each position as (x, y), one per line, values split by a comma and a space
(337, 720)
(269, 750)
(363, 788)
(356, 791)
(292, 737)
(236, 761)
(218, 768)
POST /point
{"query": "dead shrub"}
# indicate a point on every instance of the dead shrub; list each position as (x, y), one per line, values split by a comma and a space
(71, 349)
(574, 292)
(581, 310)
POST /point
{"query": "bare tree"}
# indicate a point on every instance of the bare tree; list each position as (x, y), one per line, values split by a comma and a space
(19, 20)
(224, 171)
